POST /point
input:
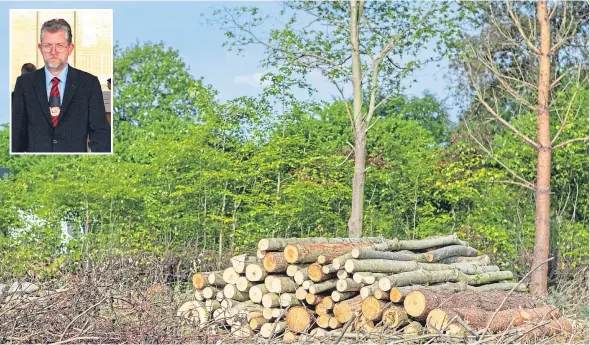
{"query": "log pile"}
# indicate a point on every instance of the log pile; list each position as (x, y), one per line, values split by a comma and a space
(313, 287)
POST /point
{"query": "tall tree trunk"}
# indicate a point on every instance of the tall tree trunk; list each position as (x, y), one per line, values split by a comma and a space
(355, 223)
(538, 284)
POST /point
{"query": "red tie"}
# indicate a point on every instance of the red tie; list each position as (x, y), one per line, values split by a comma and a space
(55, 93)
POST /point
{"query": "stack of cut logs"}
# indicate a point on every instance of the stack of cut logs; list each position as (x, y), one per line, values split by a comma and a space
(334, 286)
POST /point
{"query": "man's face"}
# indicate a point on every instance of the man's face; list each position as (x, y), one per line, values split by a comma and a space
(109, 84)
(55, 49)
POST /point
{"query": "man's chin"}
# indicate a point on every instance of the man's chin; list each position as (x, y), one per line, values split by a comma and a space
(54, 65)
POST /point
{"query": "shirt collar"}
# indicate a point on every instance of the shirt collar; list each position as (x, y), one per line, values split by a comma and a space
(61, 75)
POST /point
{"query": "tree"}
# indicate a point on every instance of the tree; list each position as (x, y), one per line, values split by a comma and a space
(369, 47)
(528, 85)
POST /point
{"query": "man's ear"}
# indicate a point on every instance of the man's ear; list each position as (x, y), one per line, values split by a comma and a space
(70, 48)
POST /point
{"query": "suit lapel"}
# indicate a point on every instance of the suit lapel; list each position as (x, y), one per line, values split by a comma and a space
(41, 91)
(71, 86)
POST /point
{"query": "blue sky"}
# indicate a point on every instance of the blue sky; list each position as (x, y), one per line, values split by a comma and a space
(181, 26)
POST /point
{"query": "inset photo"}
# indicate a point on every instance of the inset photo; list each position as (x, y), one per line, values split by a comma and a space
(61, 67)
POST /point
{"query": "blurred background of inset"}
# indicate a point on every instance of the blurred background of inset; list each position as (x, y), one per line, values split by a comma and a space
(92, 37)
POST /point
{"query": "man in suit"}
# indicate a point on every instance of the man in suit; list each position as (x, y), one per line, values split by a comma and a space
(58, 107)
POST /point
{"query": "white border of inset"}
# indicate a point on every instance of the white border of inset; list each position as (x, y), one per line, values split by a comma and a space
(10, 79)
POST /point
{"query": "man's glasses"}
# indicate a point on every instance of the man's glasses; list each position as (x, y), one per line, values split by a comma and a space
(46, 48)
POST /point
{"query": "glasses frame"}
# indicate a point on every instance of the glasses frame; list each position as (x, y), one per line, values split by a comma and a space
(47, 48)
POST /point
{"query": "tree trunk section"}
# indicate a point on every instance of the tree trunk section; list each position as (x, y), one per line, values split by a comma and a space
(308, 253)
(372, 308)
(538, 283)
(344, 310)
(394, 317)
(256, 272)
(379, 266)
(256, 292)
(417, 277)
(299, 318)
(279, 244)
(274, 262)
(240, 262)
(450, 251)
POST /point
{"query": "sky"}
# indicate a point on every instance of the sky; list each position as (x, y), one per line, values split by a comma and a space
(182, 26)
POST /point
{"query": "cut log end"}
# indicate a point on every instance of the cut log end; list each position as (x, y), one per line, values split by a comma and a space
(298, 319)
(415, 303)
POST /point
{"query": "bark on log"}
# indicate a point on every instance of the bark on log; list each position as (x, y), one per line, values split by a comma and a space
(271, 300)
(417, 277)
(482, 260)
(338, 296)
(372, 308)
(532, 334)
(438, 241)
(274, 262)
(243, 284)
(210, 291)
(256, 292)
(230, 276)
(270, 244)
(379, 266)
(339, 261)
(344, 310)
(499, 287)
(484, 278)
(323, 286)
(283, 285)
(370, 253)
(231, 291)
(329, 269)
(394, 317)
(301, 253)
(419, 303)
(446, 252)
(256, 272)
(468, 268)
(398, 294)
(266, 331)
(240, 262)
(301, 276)
(477, 319)
(348, 285)
(299, 318)
(216, 279)
(292, 269)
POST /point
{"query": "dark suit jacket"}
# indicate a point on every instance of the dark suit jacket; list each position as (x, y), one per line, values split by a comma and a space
(82, 115)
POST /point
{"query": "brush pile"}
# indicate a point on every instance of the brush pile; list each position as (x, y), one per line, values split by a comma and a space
(304, 288)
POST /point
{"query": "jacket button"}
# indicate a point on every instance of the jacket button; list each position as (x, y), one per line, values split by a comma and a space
(55, 141)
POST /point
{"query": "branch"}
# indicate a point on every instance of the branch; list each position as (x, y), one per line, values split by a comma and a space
(567, 112)
(520, 29)
(515, 183)
(513, 173)
(375, 83)
(529, 141)
(570, 141)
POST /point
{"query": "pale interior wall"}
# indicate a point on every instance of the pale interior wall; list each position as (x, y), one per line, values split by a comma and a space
(92, 32)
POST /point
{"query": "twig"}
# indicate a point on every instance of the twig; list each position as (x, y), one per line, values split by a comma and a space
(274, 326)
(466, 326)
(79, 315)
(75, 339)
(345, 328)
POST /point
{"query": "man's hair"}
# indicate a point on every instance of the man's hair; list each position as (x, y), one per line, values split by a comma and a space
(28, 67)
(55, 25)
